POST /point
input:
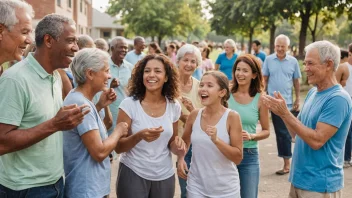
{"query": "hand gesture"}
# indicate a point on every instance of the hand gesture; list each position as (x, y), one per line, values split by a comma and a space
(69, 117)
(151, 134)
(246, 136)
(296, 105)
(182, 169)
(107, 97)
(122, 129)
(181, 147)
(114, 83)
(276, 104)
(212, 132)
(187, 103)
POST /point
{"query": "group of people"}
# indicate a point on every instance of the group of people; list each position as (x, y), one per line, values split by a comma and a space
(69, 104)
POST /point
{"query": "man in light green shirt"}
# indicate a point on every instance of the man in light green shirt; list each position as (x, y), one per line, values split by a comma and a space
(31, 117)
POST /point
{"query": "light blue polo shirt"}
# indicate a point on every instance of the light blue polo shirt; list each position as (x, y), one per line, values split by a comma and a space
(123, 73)
(261, 55)
(133, 58)
(226, 64)
(281, 74)
(322, 170)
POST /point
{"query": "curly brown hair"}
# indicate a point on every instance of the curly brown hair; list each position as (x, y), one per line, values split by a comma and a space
(170, 89)
(257, 84)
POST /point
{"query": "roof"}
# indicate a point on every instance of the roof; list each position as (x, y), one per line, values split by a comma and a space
(103, 20)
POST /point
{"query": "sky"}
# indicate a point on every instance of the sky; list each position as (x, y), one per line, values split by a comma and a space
(100, 4)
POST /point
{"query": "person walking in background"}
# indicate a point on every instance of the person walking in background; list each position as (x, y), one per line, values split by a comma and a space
(100, 43)
(215, 133)
(247, 88)
(87, 146)
(153, 48)
(152, 113)
(256, 45)
(320, 129)
(281, 72)
(188, 58)
(207, 63)
(226, 60)
(171, 52)
(85, 41)
(137, 53)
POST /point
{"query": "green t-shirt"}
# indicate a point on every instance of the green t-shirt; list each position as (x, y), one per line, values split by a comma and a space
(249, 114)
(29, 97)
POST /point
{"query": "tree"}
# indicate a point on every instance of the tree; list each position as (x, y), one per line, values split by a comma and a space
(157, 18)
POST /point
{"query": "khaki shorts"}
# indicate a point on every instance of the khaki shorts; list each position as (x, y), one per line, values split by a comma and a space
(299, 193)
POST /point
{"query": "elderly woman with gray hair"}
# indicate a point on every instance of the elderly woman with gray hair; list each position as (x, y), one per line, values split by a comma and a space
(188, 58)
(226, 60)
(87, 147)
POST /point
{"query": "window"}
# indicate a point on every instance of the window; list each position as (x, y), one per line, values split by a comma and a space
(106, 34)
(69, 3)
(81, 6)
(85, 8)
(82, 30)
(58, 2)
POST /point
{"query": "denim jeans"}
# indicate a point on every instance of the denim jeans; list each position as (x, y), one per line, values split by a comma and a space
(182, 182)
(50, 191)
(348, 146)
(249, 172)
(283, 137)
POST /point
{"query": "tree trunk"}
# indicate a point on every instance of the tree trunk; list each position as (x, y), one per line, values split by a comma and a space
(251, 32)
(153, 39)
(314, 31)
(304, 27)
(272, 38)
(160, 37)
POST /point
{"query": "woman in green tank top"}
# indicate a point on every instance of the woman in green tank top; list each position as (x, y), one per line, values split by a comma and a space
(246, 89)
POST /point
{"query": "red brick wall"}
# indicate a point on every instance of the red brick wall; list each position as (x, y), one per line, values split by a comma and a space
(42, 7)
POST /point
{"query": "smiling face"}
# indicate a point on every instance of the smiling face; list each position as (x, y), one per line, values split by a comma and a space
(14, 42)
(101, 77)
(64, 47)
(151, 50)
(244, 74)
(154, 75)
(317, 72)
(119, 51)
(140, 46)
(187, 64)
(209, 90)
(281, 47)
(229, 49)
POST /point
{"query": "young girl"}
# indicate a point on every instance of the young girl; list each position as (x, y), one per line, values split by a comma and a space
(152, 112)
(216, 136)
(247, 86)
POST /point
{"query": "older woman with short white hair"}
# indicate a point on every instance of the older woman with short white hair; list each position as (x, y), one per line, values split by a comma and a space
(188, 58)
(87, 147)
(226, 60)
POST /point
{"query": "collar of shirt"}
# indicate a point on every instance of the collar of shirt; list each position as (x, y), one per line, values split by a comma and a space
(113, 64)
(37, 67)
(286, 57)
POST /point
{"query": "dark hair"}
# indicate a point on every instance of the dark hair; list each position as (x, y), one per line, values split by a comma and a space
(207, 52)
(156, 47)
(172, 45)
(256, 42)
(223, 83)
(344, 53)
(170, 89)
(350, 48)
(257, 84)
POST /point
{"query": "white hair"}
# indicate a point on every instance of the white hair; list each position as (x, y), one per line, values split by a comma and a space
(8, 9)
(87, 58)
(190, 49)
(116, 39)
(53, 25)
(282, 36)
(327, 51)
(83, 41)
(232, 43)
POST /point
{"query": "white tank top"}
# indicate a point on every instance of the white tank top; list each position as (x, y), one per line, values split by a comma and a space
(211, 173)
(348, 86)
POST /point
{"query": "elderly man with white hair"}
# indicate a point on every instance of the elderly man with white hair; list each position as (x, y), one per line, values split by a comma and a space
(281, 72)
(15, 29)
(320, 129)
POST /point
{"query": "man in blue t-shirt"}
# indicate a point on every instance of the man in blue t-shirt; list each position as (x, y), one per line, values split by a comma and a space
(320, 129)
(281, 72)
(257, 52)
(137, 53)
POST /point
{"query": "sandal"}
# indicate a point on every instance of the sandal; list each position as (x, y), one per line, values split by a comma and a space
(282, 172)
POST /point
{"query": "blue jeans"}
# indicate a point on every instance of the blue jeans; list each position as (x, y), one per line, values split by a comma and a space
(348, 146)
(249, 172)
(50, 191)
(283, 137)
(182, 182)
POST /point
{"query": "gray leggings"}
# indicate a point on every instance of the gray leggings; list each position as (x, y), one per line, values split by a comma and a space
(130, 185)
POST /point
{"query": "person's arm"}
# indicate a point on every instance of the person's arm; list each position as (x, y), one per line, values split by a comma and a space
(342, 74)
(13, 139)
(127, 143)
(264, 122)
(66, 83)
(108, 118)
(234, 151)
(266, 79)
(296, 85)
(176, 144)
(217, 66)
(99, 149)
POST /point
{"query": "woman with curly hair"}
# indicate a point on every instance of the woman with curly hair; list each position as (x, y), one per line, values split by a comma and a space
(152, 113)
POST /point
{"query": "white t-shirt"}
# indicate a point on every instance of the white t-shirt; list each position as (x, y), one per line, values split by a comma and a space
(150, 160)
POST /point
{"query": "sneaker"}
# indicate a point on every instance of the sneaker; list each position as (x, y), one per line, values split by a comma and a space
(347, 164)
